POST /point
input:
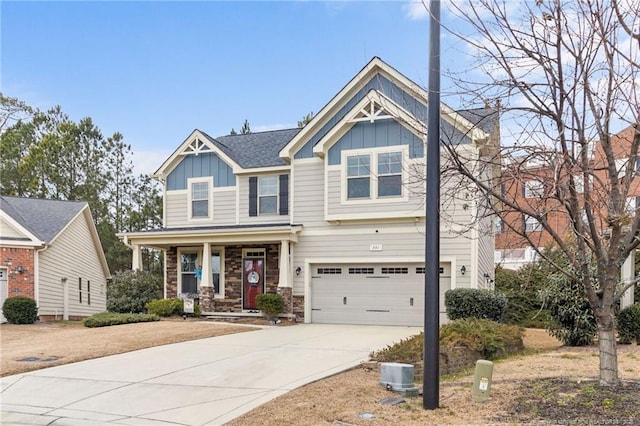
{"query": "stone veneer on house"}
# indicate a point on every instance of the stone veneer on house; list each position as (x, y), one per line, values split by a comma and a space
(232, 301)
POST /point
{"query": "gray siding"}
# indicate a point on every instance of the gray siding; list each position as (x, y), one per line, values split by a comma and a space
(224, 209)
(72, 255)
(377, 134)
(243, 182)
(322, 239)
(202, 165)
(414, 203)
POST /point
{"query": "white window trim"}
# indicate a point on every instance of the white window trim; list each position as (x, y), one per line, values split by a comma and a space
(373, 194)
(277, 195)
(533, 188)
(532, 224)
(219, 249)
(190, 182)
(182, 251)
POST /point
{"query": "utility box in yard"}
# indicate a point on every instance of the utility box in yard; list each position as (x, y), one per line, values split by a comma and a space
(398, 378)
(482, 381)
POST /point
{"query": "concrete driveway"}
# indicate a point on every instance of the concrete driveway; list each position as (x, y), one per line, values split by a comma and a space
(203, 382)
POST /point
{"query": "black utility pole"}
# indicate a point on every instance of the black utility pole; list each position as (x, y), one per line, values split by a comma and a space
(431, 370)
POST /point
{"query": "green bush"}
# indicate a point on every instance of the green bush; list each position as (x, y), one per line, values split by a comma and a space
(573, 321)
(105, 319)
(270, 304)
(169, 307)
(629, 324)
(129, 291)
(473, 303)
(521, 288)
(489, 338)
(165, 307)
(20, 310)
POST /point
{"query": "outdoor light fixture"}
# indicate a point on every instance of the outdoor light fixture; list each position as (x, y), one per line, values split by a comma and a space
(298, 270)
(20, 269)
(463, 270)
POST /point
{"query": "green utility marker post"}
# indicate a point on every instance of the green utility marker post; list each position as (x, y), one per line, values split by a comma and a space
(482, 381)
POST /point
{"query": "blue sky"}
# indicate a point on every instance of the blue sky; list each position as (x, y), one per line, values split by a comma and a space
(155, 70)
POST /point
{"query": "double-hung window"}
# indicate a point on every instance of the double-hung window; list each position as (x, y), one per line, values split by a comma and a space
(358, 176)
(374, 175)
(268, 195)
(200, 198)
(389, 174)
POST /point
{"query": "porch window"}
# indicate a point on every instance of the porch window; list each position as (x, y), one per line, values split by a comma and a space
(216, 264)
(188, 268)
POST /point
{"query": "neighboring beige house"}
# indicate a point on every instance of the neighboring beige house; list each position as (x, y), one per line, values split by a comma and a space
(50, 252)
(331, 216)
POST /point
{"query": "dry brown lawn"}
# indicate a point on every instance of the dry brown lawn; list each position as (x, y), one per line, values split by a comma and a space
(550, 385)
(63, 342)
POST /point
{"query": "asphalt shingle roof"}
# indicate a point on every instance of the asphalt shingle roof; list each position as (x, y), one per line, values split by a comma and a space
(484, 118)
(253, 150)
(43, 218)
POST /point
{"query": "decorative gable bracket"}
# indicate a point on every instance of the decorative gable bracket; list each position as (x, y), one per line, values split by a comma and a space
(196, 147)
(372, 112)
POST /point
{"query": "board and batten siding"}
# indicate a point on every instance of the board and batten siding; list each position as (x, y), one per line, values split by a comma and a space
(71, 255)
(224, 208)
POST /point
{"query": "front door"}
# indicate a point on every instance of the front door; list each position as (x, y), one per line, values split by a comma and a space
(4, 291)
(252, 281)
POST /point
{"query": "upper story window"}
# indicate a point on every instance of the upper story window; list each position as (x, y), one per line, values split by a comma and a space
(533, 189)
(498, 225)
(389, 174)
(358, 176)
(268, 195)
(373, 175)
(531, 224)
(200, 198)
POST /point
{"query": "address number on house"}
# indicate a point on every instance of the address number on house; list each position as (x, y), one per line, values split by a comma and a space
(375, 247)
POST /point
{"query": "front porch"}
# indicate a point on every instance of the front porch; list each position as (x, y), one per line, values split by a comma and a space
(225, 269)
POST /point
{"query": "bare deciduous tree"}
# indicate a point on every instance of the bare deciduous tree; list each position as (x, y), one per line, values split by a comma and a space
(565, 74)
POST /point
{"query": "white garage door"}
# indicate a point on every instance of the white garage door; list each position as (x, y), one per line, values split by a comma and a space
(374, 294)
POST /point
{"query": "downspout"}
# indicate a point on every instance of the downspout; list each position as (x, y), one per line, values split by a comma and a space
(36, 272)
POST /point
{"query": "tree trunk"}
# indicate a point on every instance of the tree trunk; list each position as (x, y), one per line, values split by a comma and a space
(608, 350)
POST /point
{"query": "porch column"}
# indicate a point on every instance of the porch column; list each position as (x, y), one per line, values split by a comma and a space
(206, 283)
(628, 274)
(284, 279)
(136, 260)
(285, 289)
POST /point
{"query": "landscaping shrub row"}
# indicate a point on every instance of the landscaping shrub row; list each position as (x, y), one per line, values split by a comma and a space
(473, 303)
(105, 319)
(488, 339)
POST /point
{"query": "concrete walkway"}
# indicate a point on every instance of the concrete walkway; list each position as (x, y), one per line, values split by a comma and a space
(202, 382)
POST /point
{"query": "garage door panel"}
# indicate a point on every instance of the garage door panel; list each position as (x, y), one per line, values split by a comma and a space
(390, 294)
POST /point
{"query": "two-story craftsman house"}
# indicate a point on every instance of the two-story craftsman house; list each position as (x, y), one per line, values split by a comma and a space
(331, 216)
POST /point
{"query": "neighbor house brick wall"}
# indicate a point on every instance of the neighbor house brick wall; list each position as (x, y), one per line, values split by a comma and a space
(19, 284)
